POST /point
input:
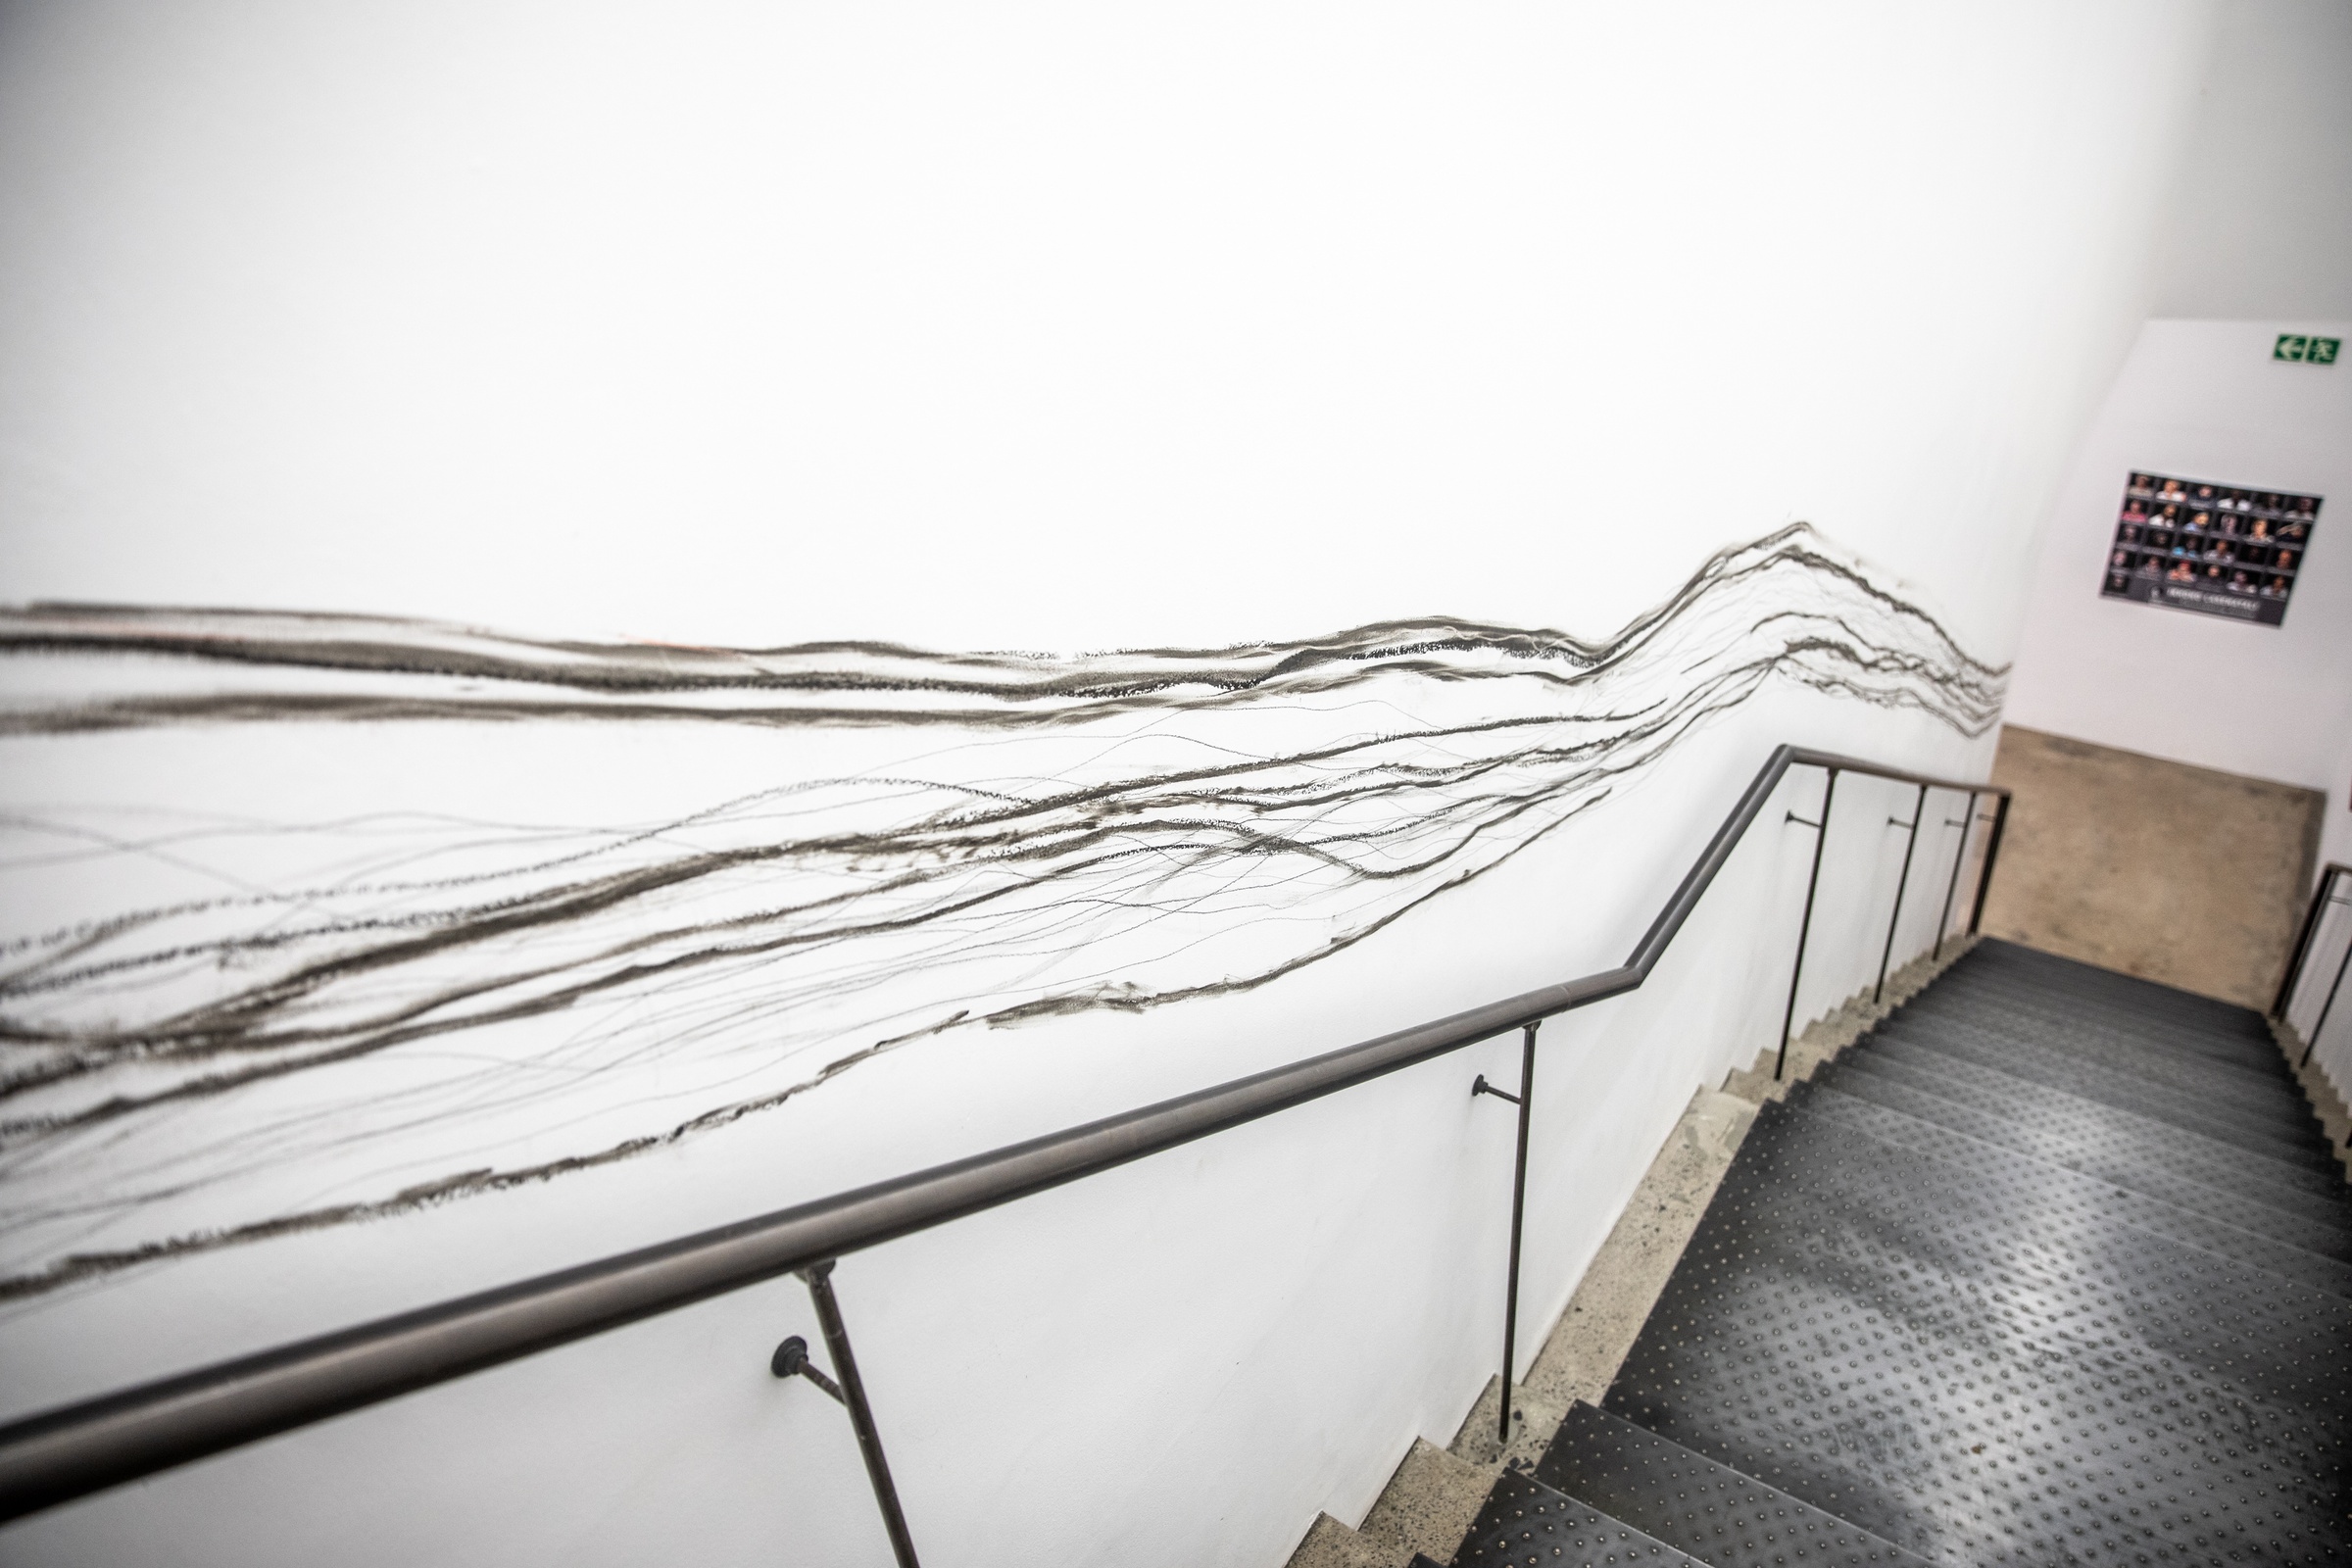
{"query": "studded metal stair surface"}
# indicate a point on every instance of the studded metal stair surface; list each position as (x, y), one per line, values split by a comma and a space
(2051, 1066)
(2296, 1219)
(1863, 1328)
(1526, 1523)
(2053, 1267)
(1727, 1519)
(2072, 1131)
(2109, 1204)
(2288, 1133)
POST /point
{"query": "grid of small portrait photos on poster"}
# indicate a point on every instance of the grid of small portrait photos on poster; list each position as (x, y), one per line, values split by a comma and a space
(2216, 549)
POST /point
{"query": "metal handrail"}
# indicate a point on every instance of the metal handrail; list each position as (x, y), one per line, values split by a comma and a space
(53, 1458)
(2311, 928)
(2320, 899)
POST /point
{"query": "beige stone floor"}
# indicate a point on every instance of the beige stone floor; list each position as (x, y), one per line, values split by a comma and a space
(2178, 874)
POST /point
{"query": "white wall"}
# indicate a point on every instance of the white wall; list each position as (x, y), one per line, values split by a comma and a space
(2335, 825)
(441, 310)
(2203, 399)
(1052, 329)
(2256, 236)
(2258, 226)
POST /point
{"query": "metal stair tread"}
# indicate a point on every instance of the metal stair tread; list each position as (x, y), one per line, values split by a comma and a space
(2133, 1293)
(2117, 1035)
(1985, 1088)
(2110, 1034)
(2119, 1205)
(2134, 1299)
(1721, 1515)
(2135, 1062)
(2020, 965)
(2145, 1013)
(2080, 1139)
(2023, 963)
(2229, 1088)
(2325, 1238)
(1915, 1410)
(1526, 1523)
(2193, 1026)
(2053, 1265)
(2287, 1140)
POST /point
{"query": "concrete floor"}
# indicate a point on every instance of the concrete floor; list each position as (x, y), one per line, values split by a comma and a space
(2180, 874)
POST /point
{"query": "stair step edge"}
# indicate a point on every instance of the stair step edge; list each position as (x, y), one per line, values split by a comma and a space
(1735, 1521)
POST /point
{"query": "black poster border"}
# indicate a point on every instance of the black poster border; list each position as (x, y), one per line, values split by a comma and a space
(2207, 547)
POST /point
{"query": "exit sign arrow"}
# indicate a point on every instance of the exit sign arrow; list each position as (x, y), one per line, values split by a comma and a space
(2306, 350)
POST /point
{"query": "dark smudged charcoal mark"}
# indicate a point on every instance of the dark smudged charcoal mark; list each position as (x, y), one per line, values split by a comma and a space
(77, 1267)
(818, 683)
(1068, 837)
(147, 1055)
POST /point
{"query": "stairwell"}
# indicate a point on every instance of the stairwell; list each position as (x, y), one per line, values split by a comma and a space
(2032, 1263)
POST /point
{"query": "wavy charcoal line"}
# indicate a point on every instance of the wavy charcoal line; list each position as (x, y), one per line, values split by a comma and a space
(462, 1005)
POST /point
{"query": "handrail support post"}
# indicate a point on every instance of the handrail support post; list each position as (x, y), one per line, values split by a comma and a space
(1805, 927)
(1510, 1289)
(819, 1279)
(2311, 928)
(1992, 852)
(1919, 811)
(1944, 924)
(2325, 1007)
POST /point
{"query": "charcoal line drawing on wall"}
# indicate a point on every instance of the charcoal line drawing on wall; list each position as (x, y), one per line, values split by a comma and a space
(314, 919)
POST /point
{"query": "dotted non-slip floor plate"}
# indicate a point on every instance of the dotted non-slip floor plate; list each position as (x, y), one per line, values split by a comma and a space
(2141, 1060)
(2208, 1049)
(2278, 1136)
(2222, 1033)
(1971, 1421)
(2317, 1231)
(2063, 1121)
(2110, 1204)
(1723, 1517)
(2154, 1051)
(1525, 1524)
(2048, 1275)
(2054, 1267)
(2029, 971)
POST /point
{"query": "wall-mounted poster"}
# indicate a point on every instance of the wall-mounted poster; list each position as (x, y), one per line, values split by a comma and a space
(2218, 549)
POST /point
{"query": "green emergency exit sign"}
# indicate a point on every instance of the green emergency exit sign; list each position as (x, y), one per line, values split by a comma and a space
(2306, 350)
